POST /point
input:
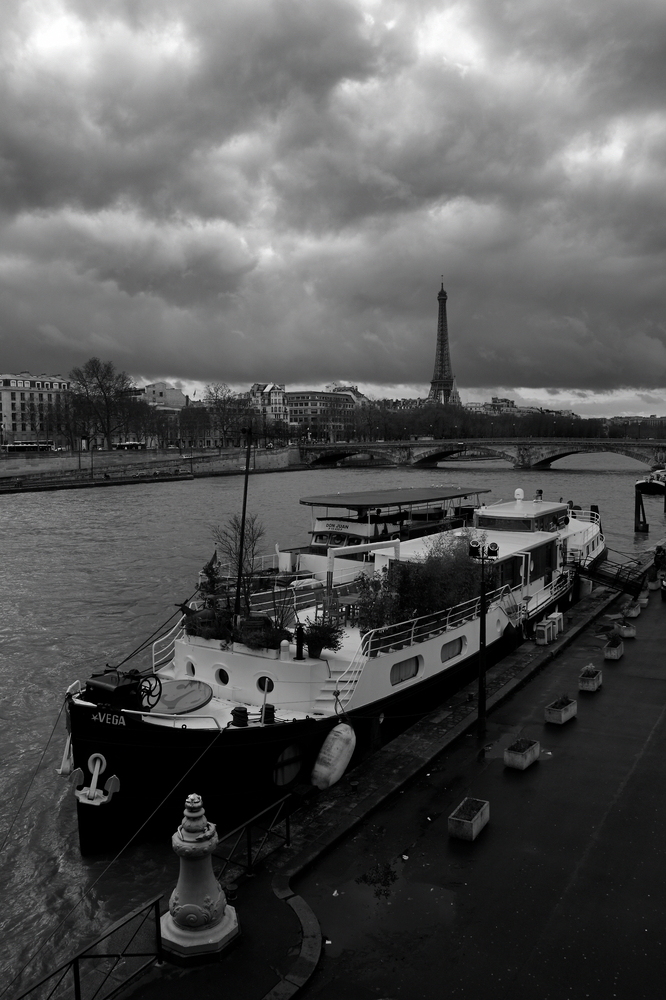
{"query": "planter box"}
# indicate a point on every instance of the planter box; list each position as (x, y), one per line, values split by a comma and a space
(644, 599)
(591, 682)
(613, 652)
(520, 759)
(654, 584)
(264, 652)
(626, 630)
(475, 815)
(560, 715)
(632, 611)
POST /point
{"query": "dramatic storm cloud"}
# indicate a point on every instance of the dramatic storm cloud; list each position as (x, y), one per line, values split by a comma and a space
(271, 189)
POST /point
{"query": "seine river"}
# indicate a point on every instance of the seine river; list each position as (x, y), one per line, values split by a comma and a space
(86, 576)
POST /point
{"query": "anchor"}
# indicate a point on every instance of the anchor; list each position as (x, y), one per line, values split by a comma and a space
(91, 795)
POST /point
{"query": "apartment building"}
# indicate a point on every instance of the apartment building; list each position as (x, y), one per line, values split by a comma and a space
(321, 416)
(31, 408)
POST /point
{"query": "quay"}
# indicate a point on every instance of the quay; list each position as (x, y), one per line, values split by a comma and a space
(562, 894)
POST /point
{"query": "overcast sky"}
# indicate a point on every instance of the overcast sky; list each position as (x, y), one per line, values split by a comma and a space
(241, 190)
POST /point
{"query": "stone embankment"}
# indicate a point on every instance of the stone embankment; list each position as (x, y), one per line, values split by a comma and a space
(66, 468)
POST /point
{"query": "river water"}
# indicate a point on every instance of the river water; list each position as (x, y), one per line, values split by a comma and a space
(86, 576)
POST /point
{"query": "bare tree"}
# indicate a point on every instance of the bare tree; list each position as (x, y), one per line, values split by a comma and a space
(101, 390)
(228, 410)
(228, 537)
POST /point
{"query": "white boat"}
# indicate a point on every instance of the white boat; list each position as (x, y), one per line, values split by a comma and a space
(241, 720)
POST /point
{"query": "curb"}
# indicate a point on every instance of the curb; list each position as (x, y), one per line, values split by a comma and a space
(415, 758)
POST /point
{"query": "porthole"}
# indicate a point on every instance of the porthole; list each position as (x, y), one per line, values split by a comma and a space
(453, 648)
(189, 669)
(222, 676)
(288, 766)
(265, 684)
(404, 670)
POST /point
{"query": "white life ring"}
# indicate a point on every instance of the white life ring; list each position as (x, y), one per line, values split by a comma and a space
(334, 756)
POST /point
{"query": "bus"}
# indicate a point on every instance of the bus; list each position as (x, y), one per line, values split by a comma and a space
(27, 447)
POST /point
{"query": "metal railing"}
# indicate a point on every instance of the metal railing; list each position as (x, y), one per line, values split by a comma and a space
(109, 964)
(409, 633)
(246, 852)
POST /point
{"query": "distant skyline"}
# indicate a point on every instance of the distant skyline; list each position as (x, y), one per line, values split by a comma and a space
(217, 191)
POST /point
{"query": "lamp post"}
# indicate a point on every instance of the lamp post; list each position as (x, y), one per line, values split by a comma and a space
(482, 553)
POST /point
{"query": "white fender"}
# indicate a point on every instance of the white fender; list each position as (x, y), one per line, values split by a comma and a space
(334, 756)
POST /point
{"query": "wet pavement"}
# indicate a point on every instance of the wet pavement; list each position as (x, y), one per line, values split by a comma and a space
(560, 896)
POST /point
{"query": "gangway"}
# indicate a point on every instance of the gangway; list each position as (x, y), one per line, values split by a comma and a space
(628, 578)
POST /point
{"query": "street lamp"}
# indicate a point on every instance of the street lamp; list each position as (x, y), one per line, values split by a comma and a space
(482, 553)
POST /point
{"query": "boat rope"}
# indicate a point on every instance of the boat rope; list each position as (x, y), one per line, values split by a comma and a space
(108, 867)
(34, 775)
(146, 642)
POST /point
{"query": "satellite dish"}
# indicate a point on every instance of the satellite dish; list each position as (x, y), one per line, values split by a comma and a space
(519, 495)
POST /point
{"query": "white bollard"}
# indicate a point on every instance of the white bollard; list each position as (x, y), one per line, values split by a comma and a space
(199, 921)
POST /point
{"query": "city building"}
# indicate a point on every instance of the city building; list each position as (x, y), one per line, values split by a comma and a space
(268, 399)
(350, 390)
(321, 415)
(162, 395)
(31, 409)
(443, 386)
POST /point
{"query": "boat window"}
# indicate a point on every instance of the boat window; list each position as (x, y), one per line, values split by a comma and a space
(505, 523)
(320, 539)
(404, 669)
(451, 649)
(265, 684)
(337, 539)
(222, 676)
(189, 669)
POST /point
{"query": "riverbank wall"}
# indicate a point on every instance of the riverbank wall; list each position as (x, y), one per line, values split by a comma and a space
(68, 466)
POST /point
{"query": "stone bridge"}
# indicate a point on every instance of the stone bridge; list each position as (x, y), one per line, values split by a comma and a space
(522, 453)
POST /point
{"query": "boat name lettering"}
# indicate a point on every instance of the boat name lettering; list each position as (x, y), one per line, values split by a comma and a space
(110, 718)
(336, 526)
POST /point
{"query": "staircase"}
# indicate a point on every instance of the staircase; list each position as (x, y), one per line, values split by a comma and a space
(343, 680)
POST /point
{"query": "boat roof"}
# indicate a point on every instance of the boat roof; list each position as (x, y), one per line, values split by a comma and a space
(523, 508)
(391, 498)
(510, 543)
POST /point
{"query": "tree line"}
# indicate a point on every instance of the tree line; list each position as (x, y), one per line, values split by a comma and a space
(104, 406)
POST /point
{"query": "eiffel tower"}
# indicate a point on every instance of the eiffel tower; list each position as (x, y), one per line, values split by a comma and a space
(443, 387)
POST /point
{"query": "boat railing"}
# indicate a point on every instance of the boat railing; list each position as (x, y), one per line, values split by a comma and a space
(585, 515)
(391, 638)
(416, 630)
(543, 597)
(576, 544)
(164, 646)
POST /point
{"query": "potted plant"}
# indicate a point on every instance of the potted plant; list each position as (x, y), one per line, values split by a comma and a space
(561, 710)
(589, 678)
(625, 629)
(324, 634)
(469, 818)
(521, 753)
(614, 648)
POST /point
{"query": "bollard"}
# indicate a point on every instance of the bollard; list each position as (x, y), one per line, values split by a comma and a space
(199, 921)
